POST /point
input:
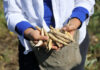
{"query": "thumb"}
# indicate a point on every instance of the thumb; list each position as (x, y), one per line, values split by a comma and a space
(70, 28)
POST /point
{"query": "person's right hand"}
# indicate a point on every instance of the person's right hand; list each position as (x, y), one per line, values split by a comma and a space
(35, 36)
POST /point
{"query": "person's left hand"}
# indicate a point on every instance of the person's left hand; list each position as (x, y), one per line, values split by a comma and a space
(72, 26)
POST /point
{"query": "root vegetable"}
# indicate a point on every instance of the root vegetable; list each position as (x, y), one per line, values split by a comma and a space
(56, 40)
(40, 41)
(63, 39)
(51, 28)
(45, 33)
(31, 42)
(58, 44)
(38, 28)
(61, 34)
(67, 33)
(50, 44)
(42, 32)
(55, 35)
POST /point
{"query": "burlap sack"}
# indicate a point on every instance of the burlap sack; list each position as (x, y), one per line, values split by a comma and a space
(64, 59)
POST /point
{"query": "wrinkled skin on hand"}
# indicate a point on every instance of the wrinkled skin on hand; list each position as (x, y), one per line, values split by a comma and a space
(35, 36)
(72, 26)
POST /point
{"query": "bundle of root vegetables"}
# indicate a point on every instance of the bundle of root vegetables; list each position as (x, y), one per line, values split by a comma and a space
(56, 36)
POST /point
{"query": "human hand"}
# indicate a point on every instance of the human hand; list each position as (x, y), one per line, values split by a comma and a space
(72, 26)
(34, 35)
(55, 46)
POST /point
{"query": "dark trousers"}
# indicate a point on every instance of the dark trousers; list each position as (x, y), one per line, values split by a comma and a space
(29, 62)
(83, 50)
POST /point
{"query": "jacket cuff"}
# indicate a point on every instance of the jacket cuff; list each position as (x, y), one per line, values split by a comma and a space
(80, 13)
(22, 26)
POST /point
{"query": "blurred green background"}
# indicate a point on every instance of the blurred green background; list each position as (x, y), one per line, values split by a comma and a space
(9, 42)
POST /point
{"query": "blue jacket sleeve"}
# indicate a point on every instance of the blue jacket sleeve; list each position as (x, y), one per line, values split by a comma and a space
(22, 26)
(80, 13)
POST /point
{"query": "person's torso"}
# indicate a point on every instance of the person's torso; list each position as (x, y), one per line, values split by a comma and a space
(34, 11)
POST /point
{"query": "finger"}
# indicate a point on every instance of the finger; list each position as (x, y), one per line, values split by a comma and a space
(35, 42)
(54, 48)
(70, 28)
(43, 38)
(58, 49)
(61, 45)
